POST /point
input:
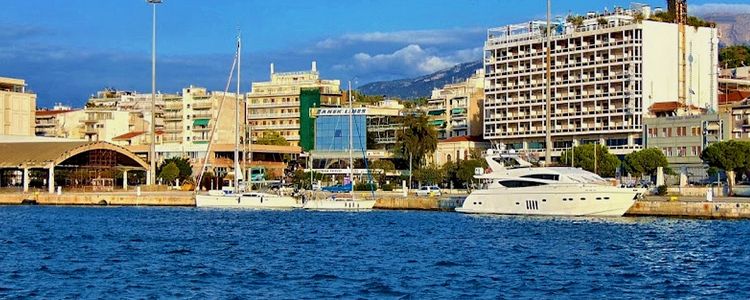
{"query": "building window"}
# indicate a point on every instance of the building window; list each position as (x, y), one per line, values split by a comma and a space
(666, 132)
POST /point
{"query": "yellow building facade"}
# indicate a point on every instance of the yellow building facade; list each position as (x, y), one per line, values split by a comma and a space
(17, 108)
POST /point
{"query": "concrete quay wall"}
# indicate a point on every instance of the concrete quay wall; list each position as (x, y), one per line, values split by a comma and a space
(698, 209)
(155, 199)
(418, 203)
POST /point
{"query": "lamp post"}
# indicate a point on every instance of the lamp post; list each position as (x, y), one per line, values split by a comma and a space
(152, 151)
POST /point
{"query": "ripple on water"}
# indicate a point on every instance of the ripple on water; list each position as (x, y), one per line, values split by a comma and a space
(199, 253)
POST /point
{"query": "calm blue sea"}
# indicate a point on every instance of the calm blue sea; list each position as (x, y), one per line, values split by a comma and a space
(120, 252)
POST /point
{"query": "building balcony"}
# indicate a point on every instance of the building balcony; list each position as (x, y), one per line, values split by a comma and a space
(201, 129)
(274, 104)
(280, 126)
(203, 115)
(385, 140)
(172, 116)
(272, 116)
(202, 105)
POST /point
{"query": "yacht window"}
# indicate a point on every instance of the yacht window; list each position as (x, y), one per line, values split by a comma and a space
(554, 177)
(519, 183)
(583, 199)
(507, 162)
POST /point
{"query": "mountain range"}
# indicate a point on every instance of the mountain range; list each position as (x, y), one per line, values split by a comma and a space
(734, 28)
(421, 86)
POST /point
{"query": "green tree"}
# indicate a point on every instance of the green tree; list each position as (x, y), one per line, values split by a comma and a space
(450, 173)
(367, 99)
(417, 140)
(380, 168)
(272, 138)
(169, 173)
(734, 56)
(301, 179)
(577, 21)
(429, 175)
(645, 162)
(731, 156)
(183, 165)
(584, 157)
(466, 170)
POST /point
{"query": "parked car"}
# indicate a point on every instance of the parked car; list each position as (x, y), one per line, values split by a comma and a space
(429, 190)
(339, 188)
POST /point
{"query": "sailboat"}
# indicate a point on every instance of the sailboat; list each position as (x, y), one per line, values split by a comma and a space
(350, 203)
(235, 196)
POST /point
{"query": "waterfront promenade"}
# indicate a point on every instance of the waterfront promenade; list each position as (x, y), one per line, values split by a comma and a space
(675, 206)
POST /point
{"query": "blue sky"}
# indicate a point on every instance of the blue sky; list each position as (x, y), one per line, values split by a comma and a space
(69, 49)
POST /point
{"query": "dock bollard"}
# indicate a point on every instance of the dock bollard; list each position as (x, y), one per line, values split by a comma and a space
(138, 191)
(59, 190)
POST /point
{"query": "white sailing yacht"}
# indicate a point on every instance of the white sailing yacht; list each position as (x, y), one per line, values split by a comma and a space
(233, 197)
(349, 202)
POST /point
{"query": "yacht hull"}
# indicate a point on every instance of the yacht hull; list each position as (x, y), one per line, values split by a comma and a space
(603, 201)
(252, 202)
(330, 204)
(741, 190)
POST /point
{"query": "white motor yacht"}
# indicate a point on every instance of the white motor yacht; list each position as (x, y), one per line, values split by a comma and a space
(513, 186)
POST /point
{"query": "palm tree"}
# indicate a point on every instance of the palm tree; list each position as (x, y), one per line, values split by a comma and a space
(417, 140)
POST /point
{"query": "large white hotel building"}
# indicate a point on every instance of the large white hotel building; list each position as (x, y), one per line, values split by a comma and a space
(607, 70)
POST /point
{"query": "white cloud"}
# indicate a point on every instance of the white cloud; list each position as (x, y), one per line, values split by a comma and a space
(420, 37)
(411, 60)
(718, 8)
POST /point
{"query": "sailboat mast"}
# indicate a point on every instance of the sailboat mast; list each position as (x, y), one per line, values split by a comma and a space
(351, 140)
(548, 127)
(237, 118)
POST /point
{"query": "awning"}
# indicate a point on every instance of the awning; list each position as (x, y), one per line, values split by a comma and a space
(458, 110)
(440, 123)
(200, 122)
(436, 112)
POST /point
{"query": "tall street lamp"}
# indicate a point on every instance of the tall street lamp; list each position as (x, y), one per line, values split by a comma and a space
(152, 152)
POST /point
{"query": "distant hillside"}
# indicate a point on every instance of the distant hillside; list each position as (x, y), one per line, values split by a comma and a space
(421, 86)
(734, 27)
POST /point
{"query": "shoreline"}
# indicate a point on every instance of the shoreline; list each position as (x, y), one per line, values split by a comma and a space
(652, 206)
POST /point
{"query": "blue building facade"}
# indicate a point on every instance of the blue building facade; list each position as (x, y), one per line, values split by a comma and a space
(332, 130)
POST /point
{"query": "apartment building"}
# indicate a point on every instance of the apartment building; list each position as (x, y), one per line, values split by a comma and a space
(277, 105)
(132, 101)
(607, 69)
(104, 125)
(456, 109)
(681, 132)
(60, 122)
(737, 118)
(384, 120)
(17, 108)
